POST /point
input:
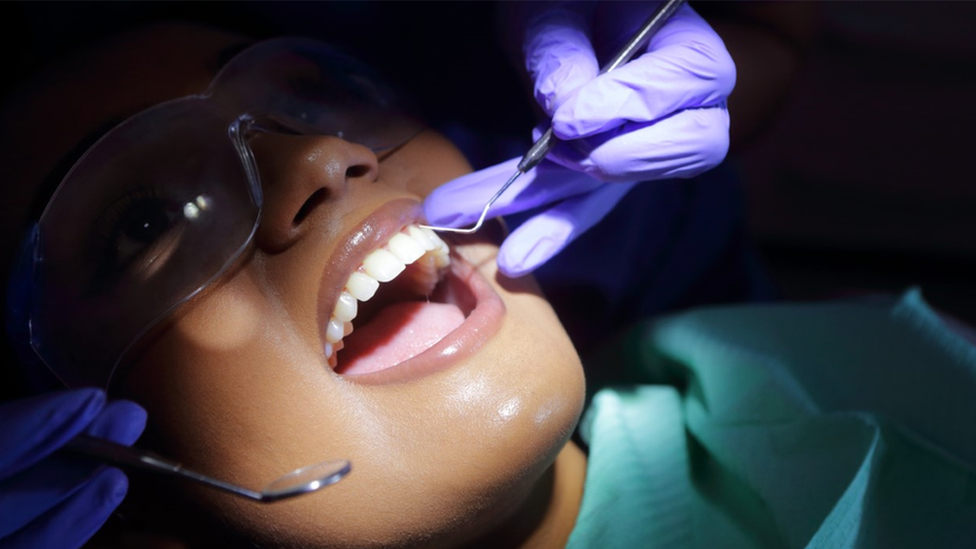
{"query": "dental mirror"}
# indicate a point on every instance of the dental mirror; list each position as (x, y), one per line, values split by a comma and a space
(300, 481)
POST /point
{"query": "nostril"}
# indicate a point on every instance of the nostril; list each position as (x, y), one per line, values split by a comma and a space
(357, 171)
(310, 204)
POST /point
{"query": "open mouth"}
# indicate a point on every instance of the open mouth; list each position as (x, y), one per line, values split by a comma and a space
(401, 301)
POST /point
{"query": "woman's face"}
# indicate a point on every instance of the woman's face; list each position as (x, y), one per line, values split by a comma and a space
(445, 445)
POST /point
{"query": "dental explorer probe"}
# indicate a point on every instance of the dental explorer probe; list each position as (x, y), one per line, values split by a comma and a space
(300, 481)
(541, 148)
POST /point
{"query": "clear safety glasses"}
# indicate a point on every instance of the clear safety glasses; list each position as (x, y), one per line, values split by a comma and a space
(166, 202)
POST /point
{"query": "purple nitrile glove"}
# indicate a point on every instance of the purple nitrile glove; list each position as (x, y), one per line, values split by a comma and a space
(49, 500)
(577, 201)
(662, 115)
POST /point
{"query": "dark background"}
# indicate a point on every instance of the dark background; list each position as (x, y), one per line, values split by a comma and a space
(862, 183)
(445, 53)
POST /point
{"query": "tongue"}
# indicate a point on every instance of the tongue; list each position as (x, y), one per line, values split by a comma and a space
(398, 333)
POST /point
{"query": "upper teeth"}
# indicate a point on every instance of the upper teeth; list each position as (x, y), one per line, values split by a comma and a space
(381, 265)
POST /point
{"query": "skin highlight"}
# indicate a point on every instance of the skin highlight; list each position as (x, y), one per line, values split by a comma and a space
(236, 384)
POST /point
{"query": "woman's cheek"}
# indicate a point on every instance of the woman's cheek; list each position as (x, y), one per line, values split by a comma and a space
(431, 161)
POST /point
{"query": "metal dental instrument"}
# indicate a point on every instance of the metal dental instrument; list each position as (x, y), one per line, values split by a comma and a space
(300, 481)
(541, 148)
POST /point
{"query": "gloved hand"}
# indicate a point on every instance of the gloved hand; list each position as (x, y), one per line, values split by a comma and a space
(662, 115)
(59, 501)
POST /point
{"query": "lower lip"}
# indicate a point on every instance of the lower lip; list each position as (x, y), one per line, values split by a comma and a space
(465, 340)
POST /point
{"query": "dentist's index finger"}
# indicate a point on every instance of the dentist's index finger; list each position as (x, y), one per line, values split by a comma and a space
(121, 421)
(460, 202)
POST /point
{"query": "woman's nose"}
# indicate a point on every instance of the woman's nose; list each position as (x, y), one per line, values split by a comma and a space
(301, 177)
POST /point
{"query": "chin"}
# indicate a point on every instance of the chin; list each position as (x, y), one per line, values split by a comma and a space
(451, 429)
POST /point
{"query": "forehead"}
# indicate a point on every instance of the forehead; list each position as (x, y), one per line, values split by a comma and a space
(64, 104)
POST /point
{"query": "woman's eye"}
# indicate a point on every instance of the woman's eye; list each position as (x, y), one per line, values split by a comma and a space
(135, 225)
(142, 225)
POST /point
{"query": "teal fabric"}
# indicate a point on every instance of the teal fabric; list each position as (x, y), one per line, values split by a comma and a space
(835, 425)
